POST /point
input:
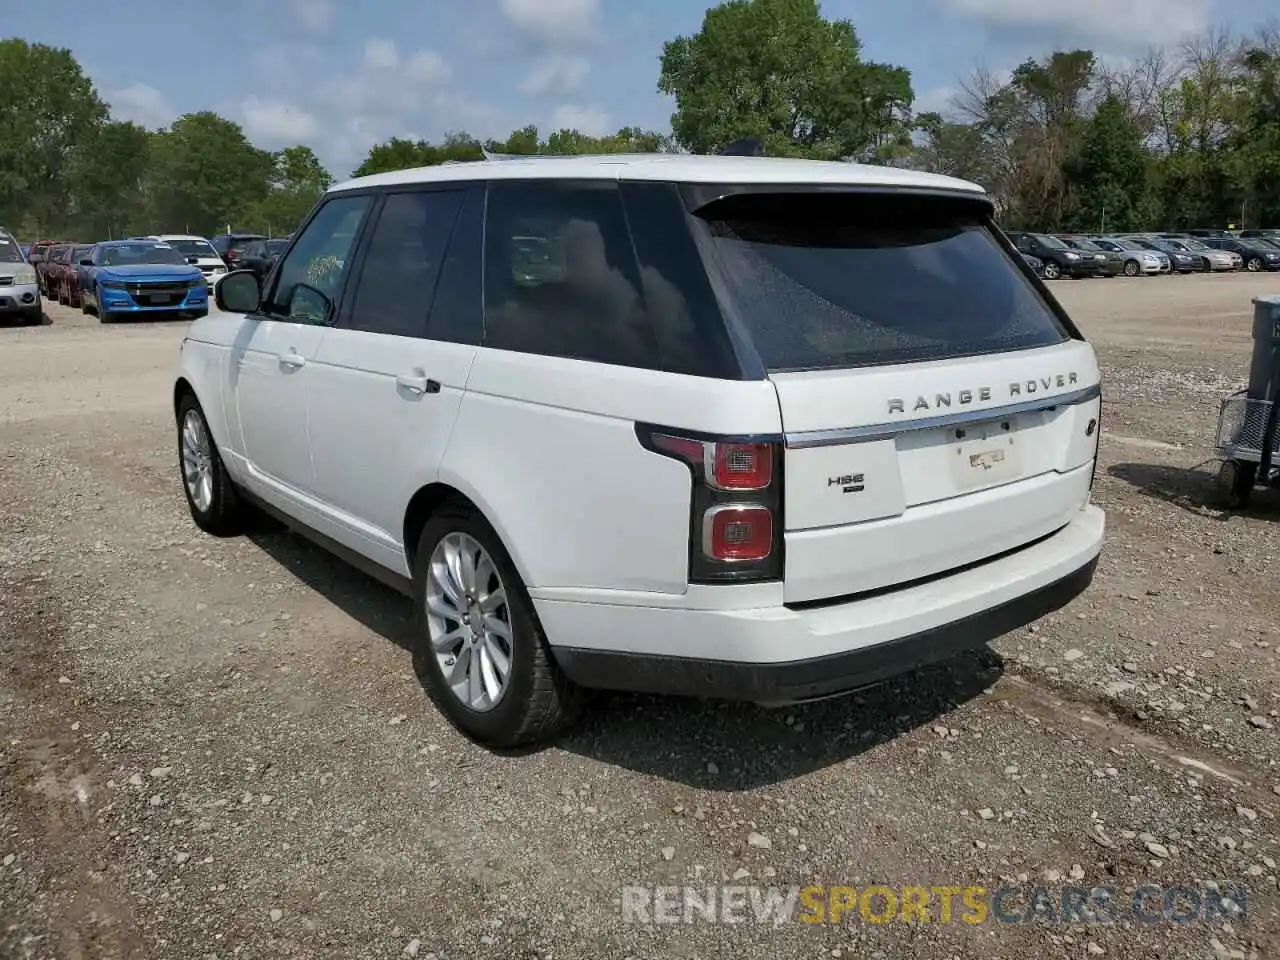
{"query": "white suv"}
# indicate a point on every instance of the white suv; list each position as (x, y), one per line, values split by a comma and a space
(198, 251)
(719, 426)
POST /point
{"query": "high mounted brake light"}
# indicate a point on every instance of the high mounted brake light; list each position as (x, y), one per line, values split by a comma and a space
(735, 522)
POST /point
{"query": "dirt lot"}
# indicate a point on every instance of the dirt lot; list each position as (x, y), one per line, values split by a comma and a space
(220, 748)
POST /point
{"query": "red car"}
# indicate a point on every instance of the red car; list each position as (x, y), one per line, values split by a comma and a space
(45, 267)
(66, 275)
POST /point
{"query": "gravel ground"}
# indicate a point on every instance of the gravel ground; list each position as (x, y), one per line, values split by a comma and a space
(219, 748)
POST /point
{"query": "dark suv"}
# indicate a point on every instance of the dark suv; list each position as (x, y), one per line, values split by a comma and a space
(230, 246)
(1058, 258)
(1107, 263)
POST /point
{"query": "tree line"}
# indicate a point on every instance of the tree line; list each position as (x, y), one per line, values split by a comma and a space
(1178, 138)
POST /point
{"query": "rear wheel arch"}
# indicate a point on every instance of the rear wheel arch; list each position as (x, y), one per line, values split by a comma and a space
(427, 502)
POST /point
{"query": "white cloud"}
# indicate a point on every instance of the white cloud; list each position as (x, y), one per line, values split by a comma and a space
(588, 120)
(555, 23)
(1130, 23)
(140, 103)
(277, 122)
(556, 74)
(315, 16)
(381, 54)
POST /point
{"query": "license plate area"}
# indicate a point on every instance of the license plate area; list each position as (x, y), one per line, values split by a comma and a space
(985, 454)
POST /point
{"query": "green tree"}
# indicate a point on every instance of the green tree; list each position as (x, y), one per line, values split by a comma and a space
(204, 172)
(1253, 147)
(953, 149)
(298, 181)
(1110, 176)
(401, 154)
(777, 70)
(48, 105)
(107, 181)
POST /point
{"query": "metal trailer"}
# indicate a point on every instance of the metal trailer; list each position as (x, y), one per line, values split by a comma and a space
(1248, 441)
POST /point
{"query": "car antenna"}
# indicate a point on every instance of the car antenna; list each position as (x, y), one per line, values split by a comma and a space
(744, 147)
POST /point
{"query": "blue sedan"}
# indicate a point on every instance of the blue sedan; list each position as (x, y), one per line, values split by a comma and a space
(141, 278)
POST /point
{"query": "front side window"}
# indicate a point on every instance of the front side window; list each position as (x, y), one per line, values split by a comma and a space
(398, 279)
(310, 278)
(825, 281)
(561, 277)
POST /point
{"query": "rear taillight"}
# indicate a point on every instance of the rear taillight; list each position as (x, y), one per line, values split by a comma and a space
(735, 522)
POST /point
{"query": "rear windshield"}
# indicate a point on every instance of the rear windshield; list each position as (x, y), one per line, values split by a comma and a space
(824, 281)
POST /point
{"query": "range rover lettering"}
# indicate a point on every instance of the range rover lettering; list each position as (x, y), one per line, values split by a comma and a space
(620, 422)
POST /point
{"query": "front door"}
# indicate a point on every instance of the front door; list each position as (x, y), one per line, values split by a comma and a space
(270, 368)
(390, 375)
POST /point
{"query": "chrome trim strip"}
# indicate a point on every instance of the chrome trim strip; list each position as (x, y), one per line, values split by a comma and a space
(887, 431)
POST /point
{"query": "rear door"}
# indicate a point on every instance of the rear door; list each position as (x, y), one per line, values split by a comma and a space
(939, 409)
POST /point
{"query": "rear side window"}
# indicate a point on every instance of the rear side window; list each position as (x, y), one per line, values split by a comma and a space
(561, 277)
(824, 281)
(400, 271)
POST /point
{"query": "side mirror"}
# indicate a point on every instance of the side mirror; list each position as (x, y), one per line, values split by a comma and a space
(238, 292)
(86, 263)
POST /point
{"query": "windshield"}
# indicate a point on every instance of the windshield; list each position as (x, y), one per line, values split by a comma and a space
(1195, 244)
(1053, 243)
(193, 248)
(10, 252)
(1126, 244)
(823, 282)
(275, 247)
(129, 254)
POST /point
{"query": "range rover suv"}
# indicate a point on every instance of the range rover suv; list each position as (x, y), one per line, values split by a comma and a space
(717, 426)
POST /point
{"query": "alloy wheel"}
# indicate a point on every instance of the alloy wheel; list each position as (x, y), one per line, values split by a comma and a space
(469, 621)
(197, 460)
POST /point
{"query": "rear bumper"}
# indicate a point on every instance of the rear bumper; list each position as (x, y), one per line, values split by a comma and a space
(781, 653)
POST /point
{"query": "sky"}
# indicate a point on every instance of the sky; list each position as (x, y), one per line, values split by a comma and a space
(342, 76)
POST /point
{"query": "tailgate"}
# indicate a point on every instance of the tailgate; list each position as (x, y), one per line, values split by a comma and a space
(898, 473)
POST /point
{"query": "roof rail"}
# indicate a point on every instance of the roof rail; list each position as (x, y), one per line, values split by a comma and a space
(522, 156)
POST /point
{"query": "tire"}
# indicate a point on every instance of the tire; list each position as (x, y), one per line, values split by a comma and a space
(33, 318)
(1236, 479)
(1131, 268)
(1051, 270)
(536, 700)
(215, 506)
(1254, 264)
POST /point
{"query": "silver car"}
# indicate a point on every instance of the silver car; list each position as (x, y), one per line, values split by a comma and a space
(1212, 260)
(19, 292)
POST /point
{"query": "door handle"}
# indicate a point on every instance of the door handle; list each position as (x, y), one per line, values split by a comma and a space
(292, 360)
(418, 384)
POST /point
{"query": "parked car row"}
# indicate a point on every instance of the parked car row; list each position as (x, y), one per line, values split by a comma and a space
(1053, 256)
(162, 272)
